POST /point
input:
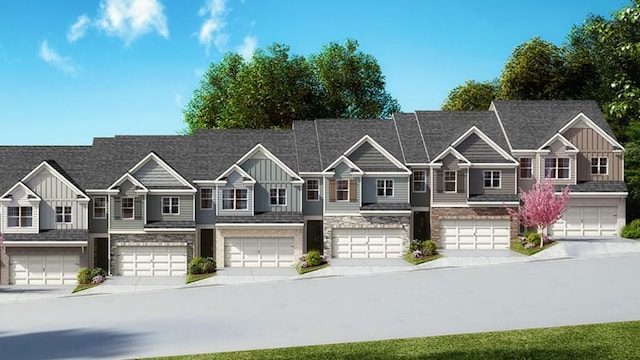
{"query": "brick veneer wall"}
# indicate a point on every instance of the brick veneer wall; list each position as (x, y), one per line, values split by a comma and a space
(468, 213)
(118, 240)
(360, 222)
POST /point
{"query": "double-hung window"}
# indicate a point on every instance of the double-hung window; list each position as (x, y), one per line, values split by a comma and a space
(526, 168)
(449, 179)
(100, 207)
(170, 205)
(556, 168)
(234, 199)
(278, 197)
(206, 198)
(342, 190)
(127, 208)
(599, 166)
(385, 187)
(419, 180)
(20, 216)
(492, 179)
(313, 189)
(63, 214)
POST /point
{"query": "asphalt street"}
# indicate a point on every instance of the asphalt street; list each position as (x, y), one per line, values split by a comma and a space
(323, 310)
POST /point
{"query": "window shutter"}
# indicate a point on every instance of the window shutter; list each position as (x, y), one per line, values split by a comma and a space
(117, 208)
(137, 208)
(332, 190)
(352, 190)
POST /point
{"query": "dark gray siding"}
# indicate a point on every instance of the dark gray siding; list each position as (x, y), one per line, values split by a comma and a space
(400, 190)
(154, 208)
(421, 198)
(450, 163)
(206, 216)
(97, 225)
(117, 223)
(367, 157)
(313, 207)
(476, 150)
(152, 174)
(342, 172)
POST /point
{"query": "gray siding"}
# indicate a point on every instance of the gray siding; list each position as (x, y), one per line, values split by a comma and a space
(98, 225)
(234, 181)
(461, 193)
(474, 149)
(400, 190)
(154, 175)
(207, 216)
(115, 209)
(421, 198)
(367, 157)
(313, 207)
(265, 170)
(269, 175)
(342, 172)
(507, 182)
(154, 208)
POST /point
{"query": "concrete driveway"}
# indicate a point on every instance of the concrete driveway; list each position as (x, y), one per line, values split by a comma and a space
(13, 293)
(569, 247)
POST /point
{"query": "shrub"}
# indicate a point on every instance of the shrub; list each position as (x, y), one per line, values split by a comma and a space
(84, 276)
(534, 238)
(415, 245)
(314, 258)
(632, 230)
(429, 248)
(200, 265)
(98, 279)
(98, 272)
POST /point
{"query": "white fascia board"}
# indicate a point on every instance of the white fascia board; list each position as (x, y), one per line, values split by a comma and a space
(133, 180)
(495, 165)
(232, 168)
(270, 156)
(164, 230)
(492, 107)
(101, 192)
(593, 125)
(423, 165)
(259, 225)
(562, 139)
(204, 182)
(450, 150)
(378, 147)
(385, 173)
(492, 203)
(172, 191)
(153, 156)
(484, 138)
(385, 212)
(346, 160)
(311, 173)
(124, 232)
(327, 213)
(45, 243)
(25, 187)
(57, 174)
(444, 205)
(596, 194)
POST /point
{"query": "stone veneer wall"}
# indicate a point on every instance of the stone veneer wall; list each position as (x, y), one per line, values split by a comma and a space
(175, 239)
(257, 232)
(359, 222)
(468, 213)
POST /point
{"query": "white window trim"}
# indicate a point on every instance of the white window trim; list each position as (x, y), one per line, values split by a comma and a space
(19, 217)
(599, 165)
(530, 167)
(171, 206)
(105, 207)
(385, 188)
(277, 197)
(444, 181)
(316, 190)
(338, 190)
(123, 208)
(423, 181)
(492, 172)
(235, 199)
(557, 167)
(64, 214)
(203, 198)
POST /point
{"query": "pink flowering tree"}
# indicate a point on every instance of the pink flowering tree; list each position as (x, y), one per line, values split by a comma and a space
(541, 206)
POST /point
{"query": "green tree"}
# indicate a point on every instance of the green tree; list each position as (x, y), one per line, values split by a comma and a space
(274, 88)
(472, 95)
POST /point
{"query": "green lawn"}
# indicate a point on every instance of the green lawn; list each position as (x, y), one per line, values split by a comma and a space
(309, 269)
(600, 341)
(197, 277)
(81, 287)
(417, 261)
(517, 246)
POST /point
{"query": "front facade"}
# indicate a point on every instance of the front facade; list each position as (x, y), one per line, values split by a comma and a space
(145, 205)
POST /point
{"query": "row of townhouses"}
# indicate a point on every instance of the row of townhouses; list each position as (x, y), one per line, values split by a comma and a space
(145, 205)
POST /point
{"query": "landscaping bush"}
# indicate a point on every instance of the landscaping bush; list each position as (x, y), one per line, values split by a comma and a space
(84, 276)
(415, 245)
(632, 230)
(98, 272)
(534, 238)
(429, 248)
(200, 265)
(314, 258)
(98, 279)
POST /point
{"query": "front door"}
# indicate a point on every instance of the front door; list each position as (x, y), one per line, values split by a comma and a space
(206, 243)
(421, 225)
(314, 236)
(101, 253)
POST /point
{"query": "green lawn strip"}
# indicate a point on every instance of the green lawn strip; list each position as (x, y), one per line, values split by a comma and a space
(302, 270)
(517, 246)
(197, 277)
(417, 261)
(81, 287)
(599, 341)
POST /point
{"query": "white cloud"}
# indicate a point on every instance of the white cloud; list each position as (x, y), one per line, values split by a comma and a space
(53, 58)
(178, 99)
(248, 46)
(129, 19)
(199, 72)
(212, 29)
(77, 30)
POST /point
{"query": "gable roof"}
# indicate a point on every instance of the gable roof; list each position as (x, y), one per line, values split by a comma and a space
(502, 155)
(154, 157)
(260, 148)
(397, 164)
(530, 123)
(26, 189)
(57, 171)
(235, 168)
(346, 161)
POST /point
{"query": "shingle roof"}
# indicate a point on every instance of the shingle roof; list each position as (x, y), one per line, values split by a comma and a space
(494, 198)
(171, 225)
(411, 140)
(596, 186)
(263, 218)
(385, 207)
(50, 235)
(530, 123)
(307, 146)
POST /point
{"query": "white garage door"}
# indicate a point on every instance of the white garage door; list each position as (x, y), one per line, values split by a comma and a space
(587, 221)
(475, 234)
(152, 260)
(258, 252)
(50, 269)
(367, 243)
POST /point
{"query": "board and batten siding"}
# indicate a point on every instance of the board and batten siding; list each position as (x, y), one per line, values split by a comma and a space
(206, 216)
(153, 175)
(312, 207)
(234, 181)
(115, 208)
(343, 172)
(54, 192)
(370, 190)
(367, 157)
(507, 182)
(421, 199)
(474, 149)
(269, 175)
(154, 208)
(592, 145)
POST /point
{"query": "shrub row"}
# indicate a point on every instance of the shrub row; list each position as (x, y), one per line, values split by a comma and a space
(93, 276)
(312, 258)
(632, 230)
(422, 248)
(200, 265)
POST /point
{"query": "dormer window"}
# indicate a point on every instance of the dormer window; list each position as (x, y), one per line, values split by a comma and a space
(20, 216)
(556, 168)
(234, 199)
(127, 208)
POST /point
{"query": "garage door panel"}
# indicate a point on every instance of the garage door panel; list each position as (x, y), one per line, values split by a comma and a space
(259, 252)
(592, 221)
(471, 234)
(152, 261)
(43, 269)
(363, 243)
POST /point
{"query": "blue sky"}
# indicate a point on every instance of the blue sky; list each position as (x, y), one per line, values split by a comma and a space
(74, 70)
